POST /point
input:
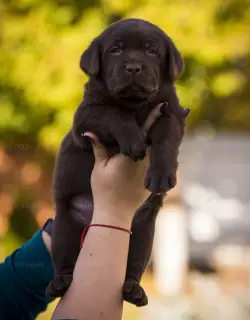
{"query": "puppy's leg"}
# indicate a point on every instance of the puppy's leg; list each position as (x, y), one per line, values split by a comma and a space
(140, 248)
(165, 138)
(65, 249)
(161, 175)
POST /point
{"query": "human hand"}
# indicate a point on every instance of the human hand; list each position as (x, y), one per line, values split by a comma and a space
(118, 182)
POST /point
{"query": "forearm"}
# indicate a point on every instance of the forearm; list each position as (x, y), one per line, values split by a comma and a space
(96, 289)
(23, 278)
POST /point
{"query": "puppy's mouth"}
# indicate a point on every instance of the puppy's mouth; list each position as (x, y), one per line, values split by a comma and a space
(133, 100)
(134, 94)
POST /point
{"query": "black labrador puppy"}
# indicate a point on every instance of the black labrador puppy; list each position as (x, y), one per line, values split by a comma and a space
(132, 67)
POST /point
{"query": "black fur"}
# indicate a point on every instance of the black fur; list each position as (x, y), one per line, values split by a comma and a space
(132, 67)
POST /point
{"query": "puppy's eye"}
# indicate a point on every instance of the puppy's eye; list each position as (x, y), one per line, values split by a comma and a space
(151, 52)
(115, 51)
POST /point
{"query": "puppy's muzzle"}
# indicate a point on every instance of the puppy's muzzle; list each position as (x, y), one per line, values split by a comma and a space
(134, 78)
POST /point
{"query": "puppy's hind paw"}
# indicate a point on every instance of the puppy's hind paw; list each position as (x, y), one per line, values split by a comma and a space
(58, 286)
(134, 293)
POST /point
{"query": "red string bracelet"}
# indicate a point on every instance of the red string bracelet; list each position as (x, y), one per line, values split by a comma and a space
(100, 225)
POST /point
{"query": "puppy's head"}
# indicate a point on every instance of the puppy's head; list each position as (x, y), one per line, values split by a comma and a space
(135, 59)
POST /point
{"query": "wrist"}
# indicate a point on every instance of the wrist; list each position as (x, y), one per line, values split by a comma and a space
(112, 217)
(46, 240)
(46, 233)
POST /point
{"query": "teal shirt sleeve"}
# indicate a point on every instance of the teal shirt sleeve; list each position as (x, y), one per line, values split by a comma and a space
(24, 277)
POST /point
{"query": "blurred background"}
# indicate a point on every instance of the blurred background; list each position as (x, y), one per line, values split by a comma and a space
(201, 259)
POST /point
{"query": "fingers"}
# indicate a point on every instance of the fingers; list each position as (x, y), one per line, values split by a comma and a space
(186, 112)
(152, 117)
(98, 149)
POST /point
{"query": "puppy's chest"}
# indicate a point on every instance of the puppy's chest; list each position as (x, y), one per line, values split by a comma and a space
(142, 114)
(169, 97)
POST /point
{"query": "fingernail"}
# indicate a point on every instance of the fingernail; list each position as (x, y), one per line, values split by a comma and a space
(186, 112)
(88, 137)
(163, 109)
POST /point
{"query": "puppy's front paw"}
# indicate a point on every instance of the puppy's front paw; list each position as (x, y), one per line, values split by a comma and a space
(135, 148)
(134, 293)
(160, 181)
(86, 144)
(58, 286)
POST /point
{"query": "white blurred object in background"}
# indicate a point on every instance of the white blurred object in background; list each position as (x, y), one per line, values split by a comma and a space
(170, 250)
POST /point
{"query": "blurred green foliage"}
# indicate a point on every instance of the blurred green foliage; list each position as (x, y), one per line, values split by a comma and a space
(41, 42)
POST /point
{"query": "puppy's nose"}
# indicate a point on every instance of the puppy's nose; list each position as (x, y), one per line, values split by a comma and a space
(134, 68)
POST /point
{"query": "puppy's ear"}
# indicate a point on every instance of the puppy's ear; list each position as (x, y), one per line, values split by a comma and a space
(90, 59)
(175, 62)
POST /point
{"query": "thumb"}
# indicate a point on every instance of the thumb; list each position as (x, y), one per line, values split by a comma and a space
(98, 149)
